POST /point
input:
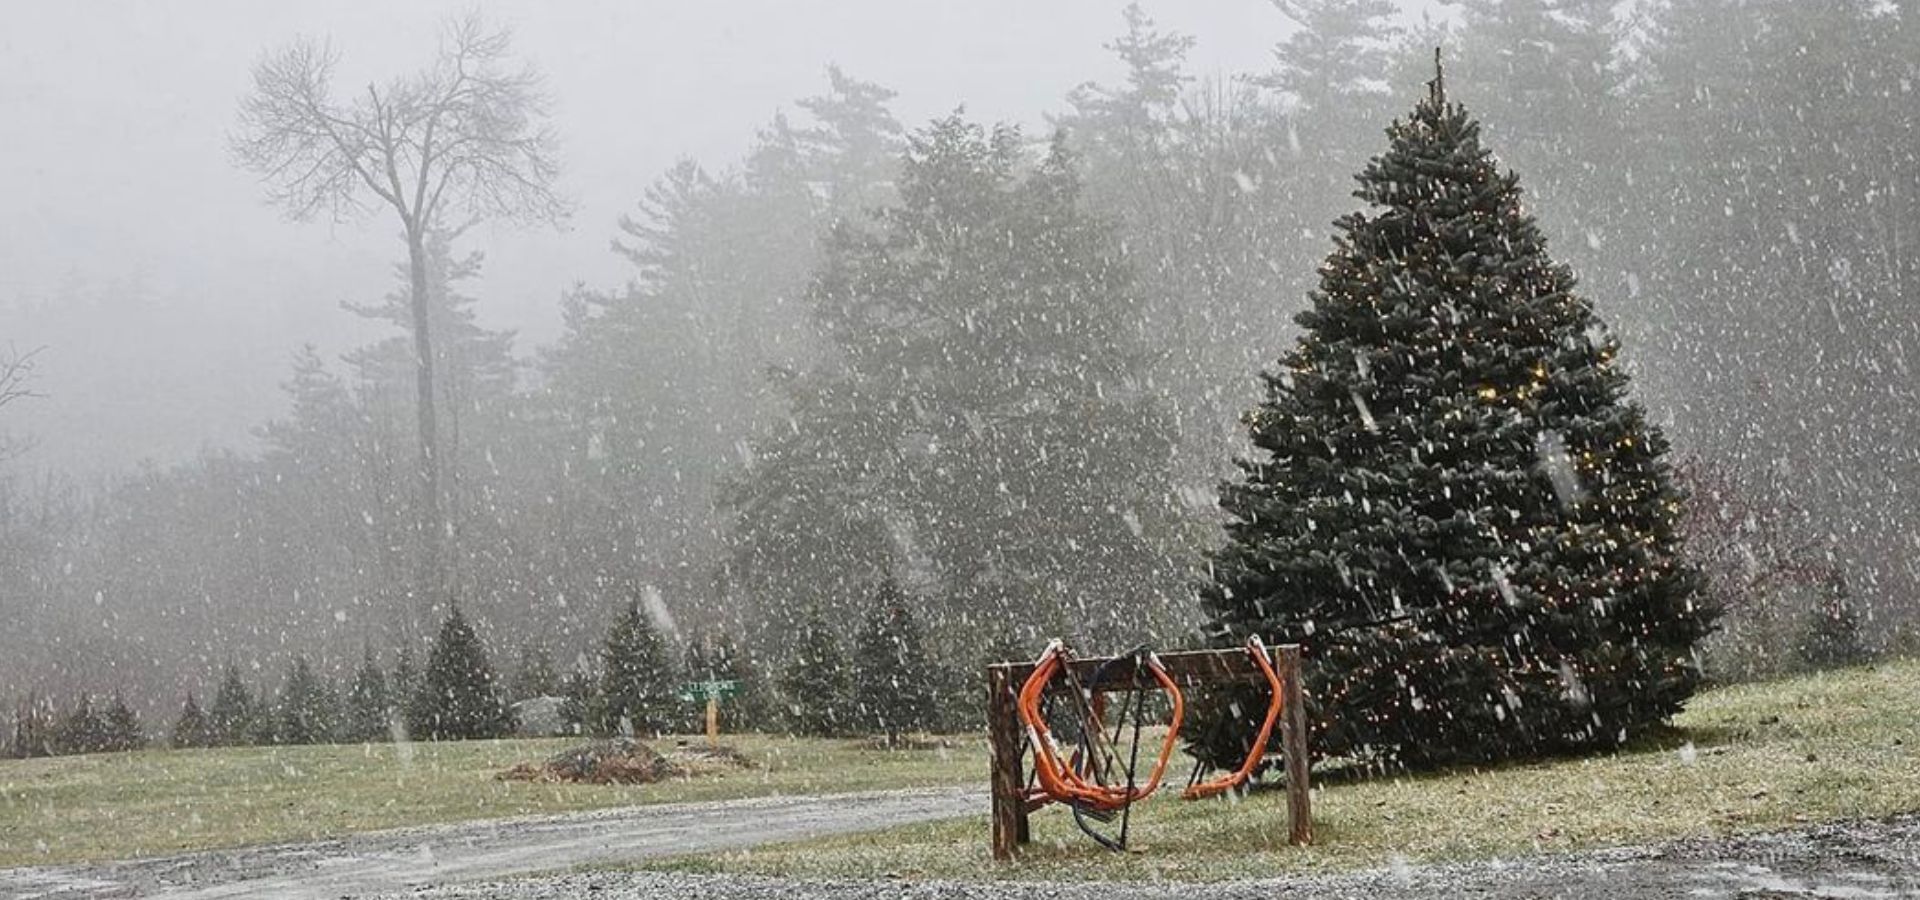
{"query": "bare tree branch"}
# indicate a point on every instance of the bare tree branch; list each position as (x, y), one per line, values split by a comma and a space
(467, 133)
(16, 375)
(16, 384)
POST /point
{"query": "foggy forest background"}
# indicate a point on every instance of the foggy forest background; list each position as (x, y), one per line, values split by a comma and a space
(1733, 181)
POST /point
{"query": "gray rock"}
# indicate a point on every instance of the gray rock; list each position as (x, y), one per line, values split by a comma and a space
(539, 717)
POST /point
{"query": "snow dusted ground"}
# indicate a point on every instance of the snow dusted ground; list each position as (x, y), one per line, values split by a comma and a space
(402, 859)
(1851, 861)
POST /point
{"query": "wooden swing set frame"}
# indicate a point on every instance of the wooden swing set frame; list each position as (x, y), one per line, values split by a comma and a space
(1008, 734)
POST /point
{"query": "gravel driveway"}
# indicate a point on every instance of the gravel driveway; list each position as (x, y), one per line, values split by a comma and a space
(1850, 861)
(400, 859)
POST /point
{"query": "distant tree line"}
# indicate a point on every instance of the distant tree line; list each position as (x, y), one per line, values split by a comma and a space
(884, 685)
(1003, 372)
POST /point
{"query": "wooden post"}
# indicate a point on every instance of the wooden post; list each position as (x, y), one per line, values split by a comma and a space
(1008, 746)
(713, 719)
(1294, 732)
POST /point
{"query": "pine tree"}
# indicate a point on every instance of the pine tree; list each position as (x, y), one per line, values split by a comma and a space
(36, 728)
(459, 696)
(893, 677)
(406, 677)
(83, 729)
(121, 727)
(306, 711)
(1833, 626)
(637, 679)
(985, 396)
(369, 705)
(1454, 506)
(193, 728)
(818, 683)
(232, 715)
(582, 709)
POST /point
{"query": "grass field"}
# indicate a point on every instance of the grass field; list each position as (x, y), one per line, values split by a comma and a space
(1822, 747)
(121, 805)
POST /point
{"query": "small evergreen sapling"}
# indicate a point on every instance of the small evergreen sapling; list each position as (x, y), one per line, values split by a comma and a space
(122, 726)
(894, 679)
(459, 696)
(84, 729)
(305, 711)
(193, 728)
(637, 678)
(818, 683)
(369, 705)
(1833, 626)
(232, 714)
(582, 709)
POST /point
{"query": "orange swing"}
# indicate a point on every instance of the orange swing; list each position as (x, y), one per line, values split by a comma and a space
(1062, 782)
(1236, 778)
(1078, 781)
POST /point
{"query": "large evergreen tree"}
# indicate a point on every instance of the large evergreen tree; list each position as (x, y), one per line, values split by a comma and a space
(637, 678)
(1452, 503)
(985, 417)
(459, 697)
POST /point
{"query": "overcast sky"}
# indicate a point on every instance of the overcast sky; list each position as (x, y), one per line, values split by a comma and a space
(169, 295)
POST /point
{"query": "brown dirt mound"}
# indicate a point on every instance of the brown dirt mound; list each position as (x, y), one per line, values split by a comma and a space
(703, 759)
(905, 742)
(618, 761)
(626, 761)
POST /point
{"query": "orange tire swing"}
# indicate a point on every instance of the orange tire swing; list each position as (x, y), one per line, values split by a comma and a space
(1084, 780)
(1238, 777)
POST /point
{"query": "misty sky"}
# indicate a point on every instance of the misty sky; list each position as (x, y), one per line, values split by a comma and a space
(170, 296)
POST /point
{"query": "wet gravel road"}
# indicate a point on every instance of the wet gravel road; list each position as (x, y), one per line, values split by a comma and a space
(481, 861)
(1852, 861)
(401, 859)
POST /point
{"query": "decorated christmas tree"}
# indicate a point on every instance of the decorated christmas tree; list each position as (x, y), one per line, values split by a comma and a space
(1451, 503)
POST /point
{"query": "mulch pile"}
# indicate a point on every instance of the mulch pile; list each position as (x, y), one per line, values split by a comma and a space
(626, 761)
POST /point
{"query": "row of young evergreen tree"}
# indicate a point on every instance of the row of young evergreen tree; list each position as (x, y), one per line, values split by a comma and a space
(1038, 461)
(886, 684)
(41, 729)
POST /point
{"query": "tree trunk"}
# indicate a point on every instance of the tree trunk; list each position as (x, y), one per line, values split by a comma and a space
(431, 581)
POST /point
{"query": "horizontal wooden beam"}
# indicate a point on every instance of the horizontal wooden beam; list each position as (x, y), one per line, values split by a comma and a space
(1187, 668)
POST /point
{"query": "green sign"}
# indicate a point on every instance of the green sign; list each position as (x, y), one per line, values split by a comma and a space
(701, 691)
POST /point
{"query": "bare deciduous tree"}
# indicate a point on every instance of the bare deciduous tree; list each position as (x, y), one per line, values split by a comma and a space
(466, 135)
(16, 383)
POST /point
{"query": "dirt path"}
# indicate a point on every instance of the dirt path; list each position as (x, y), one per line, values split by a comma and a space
(402, 859)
